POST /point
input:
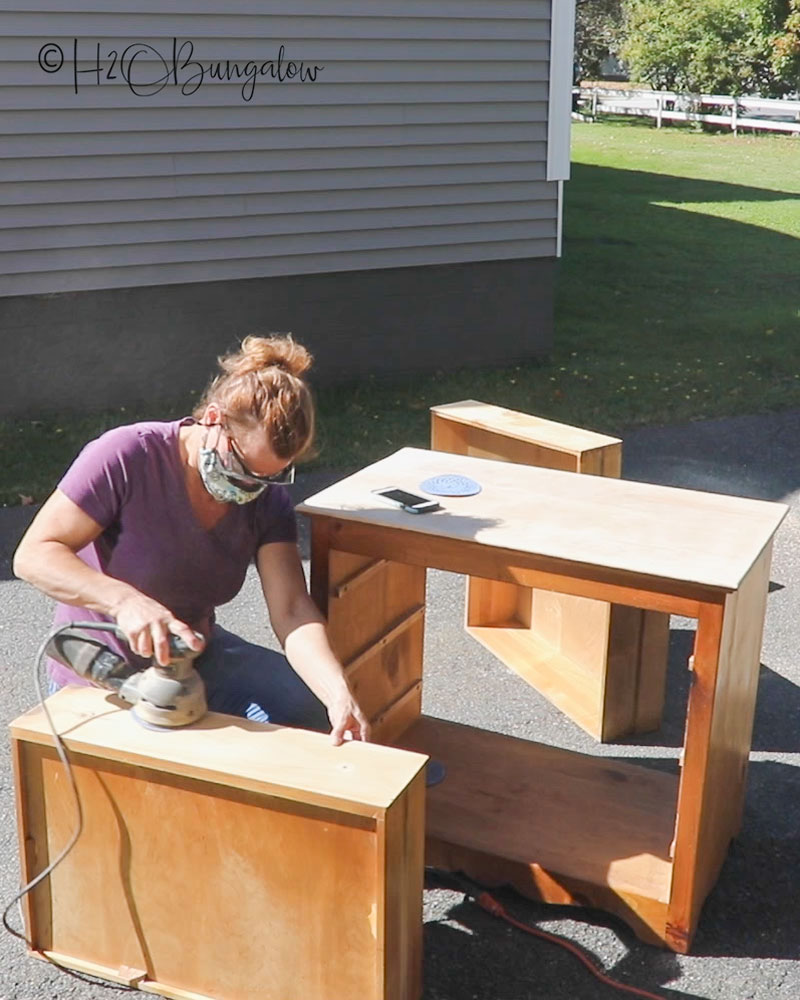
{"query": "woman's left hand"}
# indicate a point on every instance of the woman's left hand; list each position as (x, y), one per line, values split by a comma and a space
(346, 717)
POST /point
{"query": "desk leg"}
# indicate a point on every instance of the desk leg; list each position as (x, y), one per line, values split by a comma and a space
(376, 622)
(719, 728)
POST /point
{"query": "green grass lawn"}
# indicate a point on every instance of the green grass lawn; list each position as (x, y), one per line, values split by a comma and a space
(678, 298)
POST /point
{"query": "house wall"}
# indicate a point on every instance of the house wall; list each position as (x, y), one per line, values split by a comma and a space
(413, 156)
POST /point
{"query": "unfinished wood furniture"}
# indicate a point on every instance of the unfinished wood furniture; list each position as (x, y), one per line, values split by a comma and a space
(604, 665)
(228, 860)
(566, 827)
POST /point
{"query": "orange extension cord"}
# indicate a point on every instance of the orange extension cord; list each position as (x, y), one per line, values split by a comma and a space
(490, 904)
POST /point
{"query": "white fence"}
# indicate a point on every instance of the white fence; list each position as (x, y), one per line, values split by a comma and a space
(734, 112)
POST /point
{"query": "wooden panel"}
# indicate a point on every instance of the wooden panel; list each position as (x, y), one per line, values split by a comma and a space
(617, 716)
(299, 922)
(361, 616)
(485, 444)
(395, 719)
(509, 425)
(375, 611)
(601, 664)
(572, 687)
(401, 866)
(365, 571)
(447, 435)
(647, 917)
(476, 559)
(718, 735)
(528, 803)
(490, 602)
(161, 989)
(32, 858)
(118, 974)
(300, 766)
(605, 461)
(583, 627)
(652, 680)
(381, 676)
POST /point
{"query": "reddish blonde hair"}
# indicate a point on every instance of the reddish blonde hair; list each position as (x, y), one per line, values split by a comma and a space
(262, 383)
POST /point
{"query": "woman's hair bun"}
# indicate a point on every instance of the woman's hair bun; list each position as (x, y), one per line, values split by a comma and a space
(263, 382)
(258, 353)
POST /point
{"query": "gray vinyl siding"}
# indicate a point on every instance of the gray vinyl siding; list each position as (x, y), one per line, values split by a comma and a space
(422, 141)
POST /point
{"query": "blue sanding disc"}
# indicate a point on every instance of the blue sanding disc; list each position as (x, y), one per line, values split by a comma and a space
(435, 772)
(450, 486)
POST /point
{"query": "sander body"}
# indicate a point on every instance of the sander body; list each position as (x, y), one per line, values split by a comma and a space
(171, 695)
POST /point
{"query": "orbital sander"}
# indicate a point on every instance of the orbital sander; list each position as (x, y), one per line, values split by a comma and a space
(171, 695)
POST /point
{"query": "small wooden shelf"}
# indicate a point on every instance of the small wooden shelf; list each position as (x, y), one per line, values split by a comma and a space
(534, 804)
(610, 676)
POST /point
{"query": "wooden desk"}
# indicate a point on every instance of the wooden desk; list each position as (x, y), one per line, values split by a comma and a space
(558, 825)
(226, 860)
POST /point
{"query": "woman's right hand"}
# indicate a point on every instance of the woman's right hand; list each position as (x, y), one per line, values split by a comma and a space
(147, 625)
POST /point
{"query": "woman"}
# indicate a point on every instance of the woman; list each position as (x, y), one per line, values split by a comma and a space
(155, 524)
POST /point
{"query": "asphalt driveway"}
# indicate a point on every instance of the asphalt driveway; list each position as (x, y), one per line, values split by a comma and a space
(748, 943)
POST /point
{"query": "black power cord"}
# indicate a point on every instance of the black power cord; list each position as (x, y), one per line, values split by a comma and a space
(61, 750)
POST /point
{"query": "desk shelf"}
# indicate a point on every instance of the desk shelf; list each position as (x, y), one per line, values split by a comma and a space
(607, 675)
(595, 830)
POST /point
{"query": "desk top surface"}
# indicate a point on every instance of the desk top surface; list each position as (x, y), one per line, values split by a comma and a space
(295, 764)
(681, 535)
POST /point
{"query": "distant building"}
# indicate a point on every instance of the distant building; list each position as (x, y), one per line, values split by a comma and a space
(382, 178)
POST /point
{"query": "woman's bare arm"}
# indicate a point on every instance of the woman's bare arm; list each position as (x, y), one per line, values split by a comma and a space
(46, 557)
(301, 630)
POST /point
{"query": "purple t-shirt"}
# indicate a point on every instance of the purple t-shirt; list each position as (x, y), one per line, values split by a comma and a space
(131, 481)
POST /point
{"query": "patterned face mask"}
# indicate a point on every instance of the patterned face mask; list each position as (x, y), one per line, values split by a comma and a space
(221, 479)
(223, 484)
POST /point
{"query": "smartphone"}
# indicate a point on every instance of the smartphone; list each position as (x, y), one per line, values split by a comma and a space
(409, 502)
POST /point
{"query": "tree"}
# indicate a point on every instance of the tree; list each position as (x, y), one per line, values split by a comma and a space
(786, 50)
(598, 33)
(705, 46)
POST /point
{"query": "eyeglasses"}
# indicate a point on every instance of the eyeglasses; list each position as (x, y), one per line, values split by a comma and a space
(283, 478)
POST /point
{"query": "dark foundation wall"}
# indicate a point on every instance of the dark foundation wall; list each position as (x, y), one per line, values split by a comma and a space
(84, 351)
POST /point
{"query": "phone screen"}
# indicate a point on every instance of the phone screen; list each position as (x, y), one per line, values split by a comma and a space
(408, 499)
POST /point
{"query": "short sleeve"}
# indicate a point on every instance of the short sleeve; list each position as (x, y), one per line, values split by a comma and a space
(99, 480)
(276, 521)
